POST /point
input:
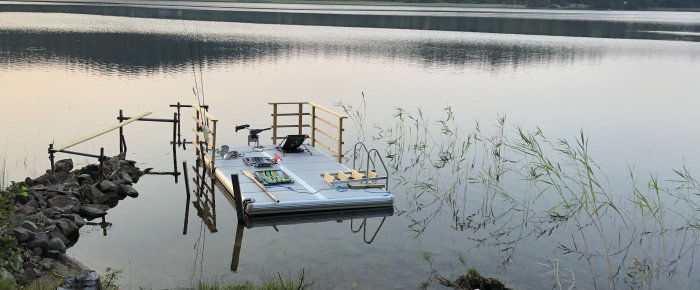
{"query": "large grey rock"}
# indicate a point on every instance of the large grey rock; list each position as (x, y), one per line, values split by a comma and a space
(91, 212)
(30, 226)
(23, 234)
(25, 210)
(57, 244)
(65, 165)
(129, 190)
(56, 234)
(92, 194)
(63, 203)
(92, 170)
(85, 179)
(68, 228)
(41, 240)
(107, 186)
(77, 219)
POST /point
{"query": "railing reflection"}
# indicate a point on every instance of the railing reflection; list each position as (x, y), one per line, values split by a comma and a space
(205, 204)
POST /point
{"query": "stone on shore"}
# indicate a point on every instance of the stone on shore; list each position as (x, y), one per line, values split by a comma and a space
(90, 212)
(30, 226)
(65, 165)
(57, 244)
(23, 234)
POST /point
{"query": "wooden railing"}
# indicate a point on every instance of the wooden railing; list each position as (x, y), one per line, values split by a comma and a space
(319, 115)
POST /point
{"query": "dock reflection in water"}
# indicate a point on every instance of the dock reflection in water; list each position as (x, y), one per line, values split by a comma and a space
(205, 193)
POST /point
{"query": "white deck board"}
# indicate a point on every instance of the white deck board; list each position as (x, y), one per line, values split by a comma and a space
(308, 192)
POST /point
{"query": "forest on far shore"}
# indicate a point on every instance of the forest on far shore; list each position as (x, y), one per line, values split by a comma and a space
(591, 4)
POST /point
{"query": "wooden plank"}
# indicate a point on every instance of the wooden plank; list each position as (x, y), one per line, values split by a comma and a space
(329, 148)
(326, 134)
(206, 114)
(292, 126)
(286, 103)
(289, 114)
(329, 123)
(327, 110)
(105, 131)
(198, 121)
(371, 174)
(342, 176)
(328, 178)
(252, 177)
(356, 175)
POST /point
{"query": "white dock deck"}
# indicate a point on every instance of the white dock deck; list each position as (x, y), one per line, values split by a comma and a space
(308, 193)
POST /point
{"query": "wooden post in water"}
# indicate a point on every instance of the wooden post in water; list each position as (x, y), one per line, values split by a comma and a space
(187, 203)
(237, 197)
(237, 248)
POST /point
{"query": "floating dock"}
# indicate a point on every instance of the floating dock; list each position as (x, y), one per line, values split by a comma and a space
(267, 180)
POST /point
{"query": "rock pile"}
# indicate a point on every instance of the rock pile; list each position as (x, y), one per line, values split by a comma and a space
(51, 209)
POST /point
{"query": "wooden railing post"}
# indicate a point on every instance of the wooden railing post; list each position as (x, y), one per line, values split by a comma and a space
(301, 116)
(340, 140)
(274, 124)
(213, 147)
(313, 125)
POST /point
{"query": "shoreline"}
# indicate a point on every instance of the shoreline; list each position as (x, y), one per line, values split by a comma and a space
(42, 218)
(568, 23)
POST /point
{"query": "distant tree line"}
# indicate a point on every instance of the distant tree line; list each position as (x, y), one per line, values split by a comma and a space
(593, 4)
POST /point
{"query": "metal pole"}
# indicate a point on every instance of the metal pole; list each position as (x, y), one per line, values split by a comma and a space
(187, 203)
(102, 158)
(121, 132)
(175, 146)
(179, 139)
(51, 158)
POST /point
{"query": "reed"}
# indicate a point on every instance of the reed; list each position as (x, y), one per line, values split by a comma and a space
(528, 186)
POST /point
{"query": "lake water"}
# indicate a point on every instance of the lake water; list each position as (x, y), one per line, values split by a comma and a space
(63, 76)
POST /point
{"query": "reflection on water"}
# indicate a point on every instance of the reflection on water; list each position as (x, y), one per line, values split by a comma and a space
(205, 205)
(544, 23)
(636, 99)
(115, 47)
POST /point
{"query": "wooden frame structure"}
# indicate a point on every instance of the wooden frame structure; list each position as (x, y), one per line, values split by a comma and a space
(319, 115)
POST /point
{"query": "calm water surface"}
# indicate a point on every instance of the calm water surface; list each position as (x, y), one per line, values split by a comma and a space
(63, 76)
